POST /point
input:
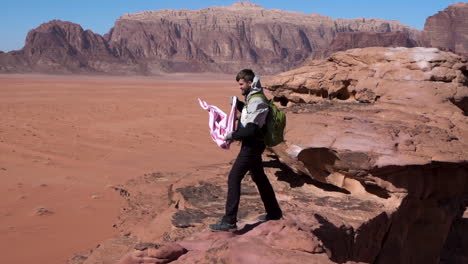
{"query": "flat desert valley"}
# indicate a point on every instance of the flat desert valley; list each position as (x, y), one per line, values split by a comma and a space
(66, 140)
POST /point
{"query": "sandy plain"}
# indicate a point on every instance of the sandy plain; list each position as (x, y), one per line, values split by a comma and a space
(65, 140)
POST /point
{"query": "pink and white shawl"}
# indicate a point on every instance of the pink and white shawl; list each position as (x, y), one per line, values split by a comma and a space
(220, 124)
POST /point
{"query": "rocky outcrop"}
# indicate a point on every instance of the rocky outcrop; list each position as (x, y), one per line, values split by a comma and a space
(63, 47)
(377, 172)
(359, 86)
(222, 39)
(14, 61)
(448, 29)
(229, 38)
(321, 222)
(387, 121)
(214, 39)
(56, 44)
(350, 40)
(456, 246)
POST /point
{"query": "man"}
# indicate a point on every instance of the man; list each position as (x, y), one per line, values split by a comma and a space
(249, 132)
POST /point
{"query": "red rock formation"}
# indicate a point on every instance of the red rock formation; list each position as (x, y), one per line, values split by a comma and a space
(65, 47)
(350, 40)
(380, 153)
(448, 29)
(61, 47)
(229, 38)
(221, 39)
(212, 39)
(14, 61)
(456, 246)
(385, 121)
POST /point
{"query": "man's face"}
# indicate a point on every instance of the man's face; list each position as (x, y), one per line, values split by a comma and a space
(244, 86)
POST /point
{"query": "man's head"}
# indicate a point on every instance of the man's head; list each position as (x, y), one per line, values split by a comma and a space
(245, 78)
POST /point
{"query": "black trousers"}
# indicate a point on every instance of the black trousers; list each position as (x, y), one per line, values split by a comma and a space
(249, 159)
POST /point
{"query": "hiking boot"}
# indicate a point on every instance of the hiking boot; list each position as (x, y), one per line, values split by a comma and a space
(223, 226)
(266, 217)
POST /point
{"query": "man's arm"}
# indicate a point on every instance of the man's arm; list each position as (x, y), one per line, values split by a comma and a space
(240, 106)
(256, 115)
(249, 131)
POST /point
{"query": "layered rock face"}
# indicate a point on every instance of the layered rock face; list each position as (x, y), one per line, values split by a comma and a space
(377, 172)
(350, 40)
(167, 212)
(386, 121)
(448, 29)
(229, 38)
(61, 47)
(222, 39)
(213, 39)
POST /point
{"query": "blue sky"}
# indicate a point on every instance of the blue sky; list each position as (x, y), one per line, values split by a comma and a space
(20, 16)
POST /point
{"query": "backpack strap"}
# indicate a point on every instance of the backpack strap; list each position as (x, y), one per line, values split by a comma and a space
(258, 95)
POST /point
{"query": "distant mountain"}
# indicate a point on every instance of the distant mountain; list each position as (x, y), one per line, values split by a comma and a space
(216, 39)
(351, 40)
(448, 29)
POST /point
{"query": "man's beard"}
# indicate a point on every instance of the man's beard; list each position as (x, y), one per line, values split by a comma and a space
(245, 92)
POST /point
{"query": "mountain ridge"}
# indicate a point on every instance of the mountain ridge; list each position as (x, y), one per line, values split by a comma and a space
(213, 39)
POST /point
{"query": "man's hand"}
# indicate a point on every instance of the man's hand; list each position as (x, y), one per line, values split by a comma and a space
(228, 137)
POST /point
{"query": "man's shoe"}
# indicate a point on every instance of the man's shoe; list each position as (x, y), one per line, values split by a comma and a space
(266, 217)
(223, 226)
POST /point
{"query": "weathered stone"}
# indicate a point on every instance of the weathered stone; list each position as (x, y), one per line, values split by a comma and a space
(60, 47)
(188, 218)
(448, 29)
(351, 40)
(42, 211)
(456, 246)
(213, 39)
(170, 252)
(406, 143)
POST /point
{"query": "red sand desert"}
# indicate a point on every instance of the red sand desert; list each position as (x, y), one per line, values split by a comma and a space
(65, 140)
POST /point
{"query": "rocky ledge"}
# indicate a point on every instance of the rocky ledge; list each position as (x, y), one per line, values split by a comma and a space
(389, 122)
(373, 170)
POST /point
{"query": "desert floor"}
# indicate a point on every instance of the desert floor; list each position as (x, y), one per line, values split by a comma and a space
(65, 140)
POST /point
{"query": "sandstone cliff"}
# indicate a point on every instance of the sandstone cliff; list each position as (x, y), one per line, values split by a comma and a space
(350, 40)
(448, 29)
(229, 38)
(212, 39)
(60, 47)
(377, 172)
(392, 122)
(221, 39)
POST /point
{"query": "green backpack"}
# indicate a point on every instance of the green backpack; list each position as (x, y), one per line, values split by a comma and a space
(275, 123)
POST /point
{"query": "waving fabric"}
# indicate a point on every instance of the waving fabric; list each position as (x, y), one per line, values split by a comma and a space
(220, 124)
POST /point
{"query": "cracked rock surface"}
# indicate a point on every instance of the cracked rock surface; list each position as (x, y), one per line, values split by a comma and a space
(374, 169)
(389, 122)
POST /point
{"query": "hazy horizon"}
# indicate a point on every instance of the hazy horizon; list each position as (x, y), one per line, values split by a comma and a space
(24, 15)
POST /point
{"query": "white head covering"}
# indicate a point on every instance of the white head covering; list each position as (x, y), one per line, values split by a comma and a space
(256, 109)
